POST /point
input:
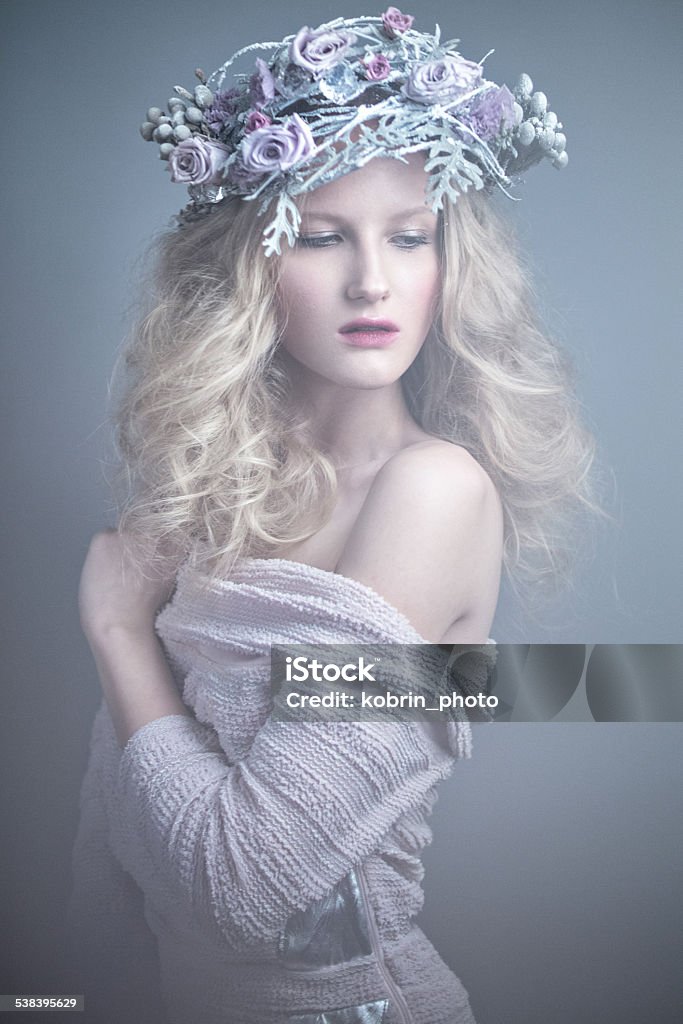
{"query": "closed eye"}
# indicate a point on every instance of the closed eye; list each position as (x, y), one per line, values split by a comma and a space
(317, 241)
(406, 241)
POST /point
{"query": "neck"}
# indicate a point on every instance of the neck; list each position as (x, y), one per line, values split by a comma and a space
(355, 427)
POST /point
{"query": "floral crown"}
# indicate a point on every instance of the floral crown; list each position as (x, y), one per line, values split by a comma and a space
(329, 100)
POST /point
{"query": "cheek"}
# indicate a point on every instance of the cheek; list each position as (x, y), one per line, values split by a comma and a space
(422, 286)
(290, 294)
(300, 295)
(300, 314)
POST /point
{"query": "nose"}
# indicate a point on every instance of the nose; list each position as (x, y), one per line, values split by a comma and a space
(368, 278)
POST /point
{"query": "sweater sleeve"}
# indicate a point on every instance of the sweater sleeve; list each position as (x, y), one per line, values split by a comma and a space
(110, 950)
(242, 846)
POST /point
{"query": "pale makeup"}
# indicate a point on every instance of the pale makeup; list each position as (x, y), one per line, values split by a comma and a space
(359, 289)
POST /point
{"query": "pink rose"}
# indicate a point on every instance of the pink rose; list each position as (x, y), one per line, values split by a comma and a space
(395, 22)
(318, 50)
(377, 67)
(262, 84)
(198, 161)
(277, 147)
(256, 120)
(439, 81)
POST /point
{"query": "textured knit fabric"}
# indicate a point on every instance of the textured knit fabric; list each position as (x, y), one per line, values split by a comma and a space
(203, 841)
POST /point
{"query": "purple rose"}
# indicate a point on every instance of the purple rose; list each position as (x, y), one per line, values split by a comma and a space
(318, 50)
(277, 147)
(262, 84)
(377, 67)
(395, 23)
(222, 111)
(256, 120)
(441, 80)
(491, 112)
(197, 161)
(240, 177)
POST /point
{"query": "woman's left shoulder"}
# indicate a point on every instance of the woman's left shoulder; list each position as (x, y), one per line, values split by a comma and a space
(429, 537)
(446, 493)
(441, 466)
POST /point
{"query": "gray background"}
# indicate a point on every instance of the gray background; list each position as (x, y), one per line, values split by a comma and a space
(553, 886)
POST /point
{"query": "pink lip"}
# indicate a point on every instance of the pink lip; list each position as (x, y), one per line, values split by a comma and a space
(369, 332)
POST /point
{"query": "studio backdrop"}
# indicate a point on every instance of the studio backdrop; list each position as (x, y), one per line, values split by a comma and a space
(554, 883)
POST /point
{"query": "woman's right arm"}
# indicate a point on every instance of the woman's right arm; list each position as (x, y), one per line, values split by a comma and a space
(240, 845)
(118, 604)
(246, 845)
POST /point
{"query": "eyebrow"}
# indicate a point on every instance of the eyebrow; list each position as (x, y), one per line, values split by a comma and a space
(327, 215)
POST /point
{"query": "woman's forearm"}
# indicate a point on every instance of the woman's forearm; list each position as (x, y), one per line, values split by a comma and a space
(136, 679)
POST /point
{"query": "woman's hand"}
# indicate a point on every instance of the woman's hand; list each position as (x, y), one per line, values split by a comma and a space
(114, 594)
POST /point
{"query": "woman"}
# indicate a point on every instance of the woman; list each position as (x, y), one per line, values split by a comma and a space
(340, 426)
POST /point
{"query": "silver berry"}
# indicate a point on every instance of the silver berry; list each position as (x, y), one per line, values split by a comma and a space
(153, 114)
(547, 139)
(165, 150)
(539, 104)
(194, 115)
(560, 161)
(162, 133)
(147, 130)
(524, 87)
(203, 96)
(181, 132)
(526, 134)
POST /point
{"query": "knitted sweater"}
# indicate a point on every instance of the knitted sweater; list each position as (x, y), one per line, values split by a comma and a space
(230, 868)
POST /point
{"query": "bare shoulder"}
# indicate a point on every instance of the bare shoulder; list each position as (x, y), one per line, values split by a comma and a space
(437, 463)
(437, 486)
(429, 540)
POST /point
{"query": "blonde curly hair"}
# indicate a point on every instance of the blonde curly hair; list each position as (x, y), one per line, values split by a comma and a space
(216, 463)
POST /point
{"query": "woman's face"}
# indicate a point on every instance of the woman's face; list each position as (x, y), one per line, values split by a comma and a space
(358, 291)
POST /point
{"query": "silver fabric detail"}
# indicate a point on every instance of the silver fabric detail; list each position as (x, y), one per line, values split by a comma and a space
(366, 1013)
(332, 930)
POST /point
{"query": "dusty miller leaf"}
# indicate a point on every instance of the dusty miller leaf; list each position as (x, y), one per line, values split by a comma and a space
(450, 172)
(286, 222)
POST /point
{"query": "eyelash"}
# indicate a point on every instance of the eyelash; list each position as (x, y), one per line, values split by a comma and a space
(327, 241)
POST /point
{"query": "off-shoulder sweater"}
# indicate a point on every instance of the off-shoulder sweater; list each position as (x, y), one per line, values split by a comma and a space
(231, 868)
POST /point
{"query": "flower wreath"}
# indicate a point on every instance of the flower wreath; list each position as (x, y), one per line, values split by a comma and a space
(332, 98)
